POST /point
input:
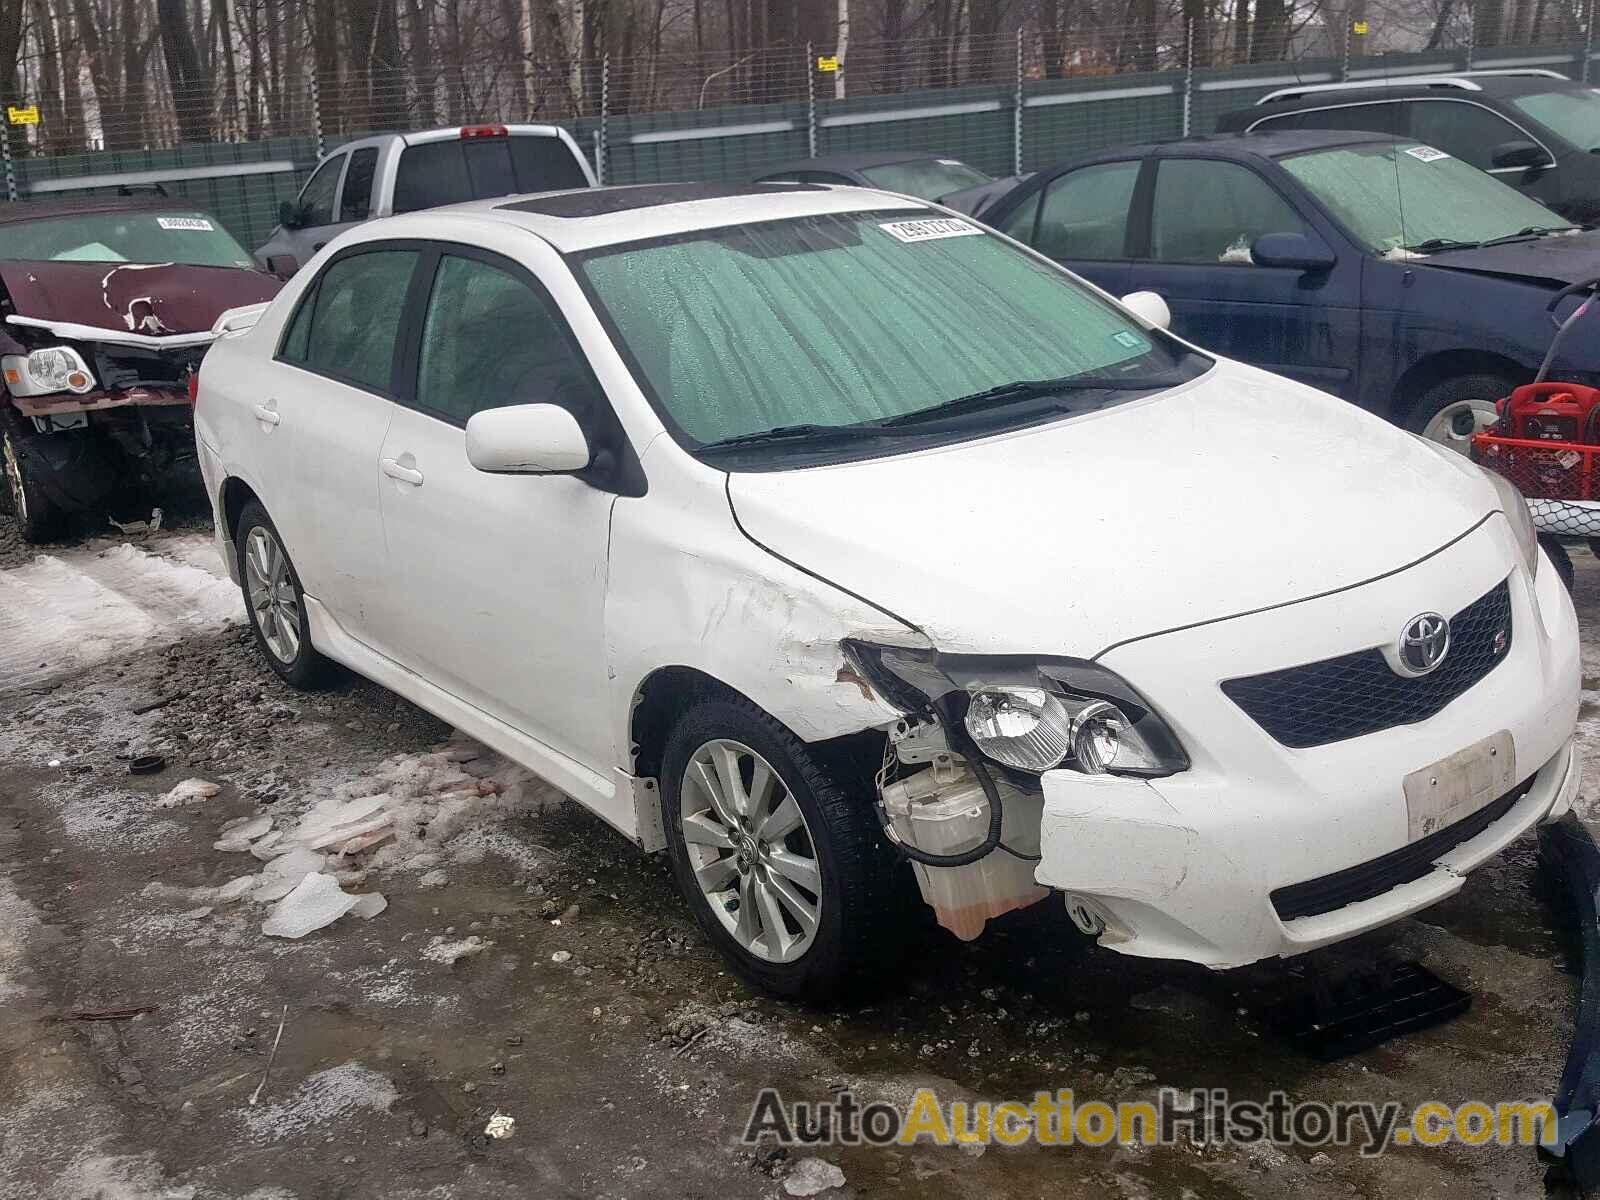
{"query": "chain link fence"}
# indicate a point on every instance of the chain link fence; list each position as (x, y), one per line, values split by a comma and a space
(1006, 103)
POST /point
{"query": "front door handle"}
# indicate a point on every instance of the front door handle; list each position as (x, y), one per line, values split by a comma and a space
(268, 412)
(404, 474)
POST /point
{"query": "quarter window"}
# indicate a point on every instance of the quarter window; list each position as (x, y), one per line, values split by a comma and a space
(1212, 212)
(355, 203)
(1465, 130)
(355, 319)
(1374, 118)
(1085, 213)
(316, 201)
(490, 340)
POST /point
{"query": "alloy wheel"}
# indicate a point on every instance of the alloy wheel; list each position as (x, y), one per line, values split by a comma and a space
(751, 850)
(272, 597)
(1455, 423)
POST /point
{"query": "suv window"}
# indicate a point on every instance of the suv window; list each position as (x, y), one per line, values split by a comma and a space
(1373, 118)
(354, 319)
(451, 172)
(1084, 213)
(1468, 131)
(316, 198)
(1211, 212)
(355, 203)
(471, 360)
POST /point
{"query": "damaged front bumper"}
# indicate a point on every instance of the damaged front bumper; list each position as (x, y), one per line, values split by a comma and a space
(1261, 850)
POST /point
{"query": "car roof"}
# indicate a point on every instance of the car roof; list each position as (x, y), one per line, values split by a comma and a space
(1265, 143)
(15, 211)
(584, 219)
(854, 162)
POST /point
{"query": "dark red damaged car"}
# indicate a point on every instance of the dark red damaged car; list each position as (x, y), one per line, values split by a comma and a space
(107, 305)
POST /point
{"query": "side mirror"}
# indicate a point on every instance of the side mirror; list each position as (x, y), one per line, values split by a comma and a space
(526, 439)
(1296, 251)
(282, 265)
(1519, 154)
(1150, 308)
(291, 215)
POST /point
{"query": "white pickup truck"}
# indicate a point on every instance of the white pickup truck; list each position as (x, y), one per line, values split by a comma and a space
(392, 173)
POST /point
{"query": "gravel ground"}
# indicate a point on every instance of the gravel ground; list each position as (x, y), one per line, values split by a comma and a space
(591, 1012)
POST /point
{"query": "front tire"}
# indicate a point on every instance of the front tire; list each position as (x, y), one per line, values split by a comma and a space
(38, 519)
(1454, 409)
(275, 602)
(782, 863)
(1559, 558)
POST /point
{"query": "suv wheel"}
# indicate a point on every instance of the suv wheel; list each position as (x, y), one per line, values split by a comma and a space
(1451, 411)
(275, 601)
(784, 866)
(36, 516)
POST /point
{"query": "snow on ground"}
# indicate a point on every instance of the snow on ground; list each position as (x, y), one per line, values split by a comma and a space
(63, 612)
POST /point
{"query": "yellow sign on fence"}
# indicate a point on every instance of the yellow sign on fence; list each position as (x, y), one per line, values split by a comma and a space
(1359, 27)
(22, 116)
(827, 62)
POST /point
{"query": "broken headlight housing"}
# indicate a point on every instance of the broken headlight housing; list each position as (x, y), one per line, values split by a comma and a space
(43, 372)
(1030, 714)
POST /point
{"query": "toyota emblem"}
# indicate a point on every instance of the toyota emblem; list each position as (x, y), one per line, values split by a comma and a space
(1423, 644)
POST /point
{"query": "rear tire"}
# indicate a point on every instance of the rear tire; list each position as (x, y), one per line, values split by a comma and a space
(820, 849)
(275, 602)
(38, 519)
(1453, 409)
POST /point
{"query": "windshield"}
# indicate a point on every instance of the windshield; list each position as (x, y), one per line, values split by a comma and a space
(1572, 116)
(926, 179)
(189, 238)
(840, 320)
(1399, 195)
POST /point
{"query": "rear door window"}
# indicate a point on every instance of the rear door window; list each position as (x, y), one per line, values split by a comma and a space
(451, 172)
(355, 319)
(355, 203)
(1085, 212)
(1371, 118)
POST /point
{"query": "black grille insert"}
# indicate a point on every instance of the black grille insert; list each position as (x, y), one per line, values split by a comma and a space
(1357, 694)
(1379, 875)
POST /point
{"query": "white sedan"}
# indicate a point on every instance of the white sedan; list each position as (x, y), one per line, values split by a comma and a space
(803, 531)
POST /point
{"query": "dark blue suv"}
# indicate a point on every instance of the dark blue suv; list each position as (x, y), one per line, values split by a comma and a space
(1386, 272)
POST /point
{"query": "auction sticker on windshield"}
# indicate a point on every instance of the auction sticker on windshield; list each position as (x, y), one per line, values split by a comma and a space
(930, 229)
(1426, 153)
(196, 224)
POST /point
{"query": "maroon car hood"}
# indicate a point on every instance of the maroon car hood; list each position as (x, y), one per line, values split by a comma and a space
(131, 297)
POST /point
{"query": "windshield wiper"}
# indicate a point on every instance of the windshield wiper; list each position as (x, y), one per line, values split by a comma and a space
(1435, 244)
(796, 433)
(1023, 389)
(1532, 231)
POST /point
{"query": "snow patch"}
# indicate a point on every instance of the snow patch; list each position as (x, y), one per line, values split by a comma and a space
(62, 613)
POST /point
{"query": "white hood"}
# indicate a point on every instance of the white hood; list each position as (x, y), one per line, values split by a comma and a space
(1236, 492)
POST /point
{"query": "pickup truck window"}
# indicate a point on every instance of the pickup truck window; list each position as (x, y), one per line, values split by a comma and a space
(355, 202)
(451, 172)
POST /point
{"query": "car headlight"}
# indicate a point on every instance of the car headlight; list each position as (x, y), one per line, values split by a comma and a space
(1030, 714)
(53, 369)
(1515, 506)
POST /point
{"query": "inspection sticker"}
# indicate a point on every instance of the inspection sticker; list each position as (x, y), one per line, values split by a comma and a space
(930, 229)
(197, 224)
(1426, 153)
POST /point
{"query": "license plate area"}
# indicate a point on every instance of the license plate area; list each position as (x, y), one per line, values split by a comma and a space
(1460, 785)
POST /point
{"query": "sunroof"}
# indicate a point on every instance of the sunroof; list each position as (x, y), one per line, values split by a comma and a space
(597, 202)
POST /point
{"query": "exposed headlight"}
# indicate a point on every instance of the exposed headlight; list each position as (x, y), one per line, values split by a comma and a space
(1515, 506)
(1031, 714)
(53, 369)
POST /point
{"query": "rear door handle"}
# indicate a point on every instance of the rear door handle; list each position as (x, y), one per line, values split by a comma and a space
(268, 412)
(404, 474)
